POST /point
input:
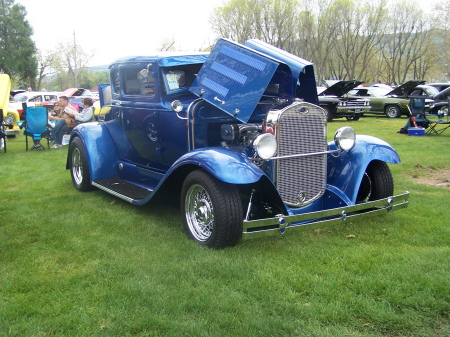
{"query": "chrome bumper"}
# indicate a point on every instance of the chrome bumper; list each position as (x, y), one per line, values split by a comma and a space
(281, 223)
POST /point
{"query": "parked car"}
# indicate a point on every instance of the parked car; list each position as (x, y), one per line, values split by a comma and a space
(440, 86)
(336, 105)
(10, 115)
(238, 136)
(391, 102)
(76, 96)
(32, 98)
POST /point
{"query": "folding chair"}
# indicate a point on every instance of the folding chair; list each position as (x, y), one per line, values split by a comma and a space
(35, 125)
(3, 137)
(443, 120)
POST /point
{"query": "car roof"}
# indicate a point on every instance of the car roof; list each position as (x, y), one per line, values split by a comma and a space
(165, 59)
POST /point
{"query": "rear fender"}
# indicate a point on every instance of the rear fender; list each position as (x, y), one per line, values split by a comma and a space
(100, 150)
(346, 171)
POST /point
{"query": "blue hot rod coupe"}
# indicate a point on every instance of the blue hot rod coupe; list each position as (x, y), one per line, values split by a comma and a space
(238, 135)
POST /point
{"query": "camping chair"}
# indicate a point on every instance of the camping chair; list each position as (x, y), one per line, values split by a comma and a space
(35, 125)
(417, 116)
(416, 108)
(2, 133)
(443, 120)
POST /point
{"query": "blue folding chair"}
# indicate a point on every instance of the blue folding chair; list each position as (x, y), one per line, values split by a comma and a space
(35, 125)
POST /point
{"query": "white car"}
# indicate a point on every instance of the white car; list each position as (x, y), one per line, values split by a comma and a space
(32, 98)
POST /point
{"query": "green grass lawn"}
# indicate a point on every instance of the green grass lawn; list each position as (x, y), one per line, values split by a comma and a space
(88, 264)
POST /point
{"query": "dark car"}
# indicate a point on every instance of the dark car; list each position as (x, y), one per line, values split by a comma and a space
(237, 136)
(436, 96)
(337, 105)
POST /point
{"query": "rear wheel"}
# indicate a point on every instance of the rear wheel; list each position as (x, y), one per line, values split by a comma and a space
(377, 182)
(211, 210)
(392, 111)
(79, 169)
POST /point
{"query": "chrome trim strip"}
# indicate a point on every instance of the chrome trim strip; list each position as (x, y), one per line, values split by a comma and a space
(306, 154)
(121, 196)
(322, 217)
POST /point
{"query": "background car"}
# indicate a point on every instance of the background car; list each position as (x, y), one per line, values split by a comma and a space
(440, 86)
(331, 98)
(393, 103)
(10, 115)
(32, 98)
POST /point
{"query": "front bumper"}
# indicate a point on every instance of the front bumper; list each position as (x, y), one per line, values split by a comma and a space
(281, 223)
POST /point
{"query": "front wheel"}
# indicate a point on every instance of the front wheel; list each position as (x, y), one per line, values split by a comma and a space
(392, 111)
(211, 210)
(78, 165)
(377, 182)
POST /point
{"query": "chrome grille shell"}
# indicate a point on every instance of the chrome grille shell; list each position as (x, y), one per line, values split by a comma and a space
(300, 128)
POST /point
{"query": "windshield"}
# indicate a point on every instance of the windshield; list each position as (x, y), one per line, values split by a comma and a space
(20, 98)
(180, 77)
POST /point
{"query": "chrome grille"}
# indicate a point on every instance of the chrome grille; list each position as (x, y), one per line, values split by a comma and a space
(301, 129)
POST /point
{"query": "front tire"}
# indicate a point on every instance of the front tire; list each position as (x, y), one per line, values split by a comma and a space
(79, 169)
(392, 111)
(377, 182)
(211, 210)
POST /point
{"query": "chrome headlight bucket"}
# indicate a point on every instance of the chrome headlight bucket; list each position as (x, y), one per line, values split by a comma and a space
(345, 138)
(265, 146)
(176, 106)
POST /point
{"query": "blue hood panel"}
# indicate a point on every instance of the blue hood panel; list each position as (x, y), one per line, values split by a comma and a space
(234, 78)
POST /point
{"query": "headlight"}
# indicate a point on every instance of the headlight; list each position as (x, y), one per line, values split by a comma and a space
(9, 119)
(345, 138)
(265, 146)
(176, 106)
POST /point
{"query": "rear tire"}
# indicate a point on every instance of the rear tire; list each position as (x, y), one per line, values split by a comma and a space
(377, 182)
(211, 210)
(79, 168)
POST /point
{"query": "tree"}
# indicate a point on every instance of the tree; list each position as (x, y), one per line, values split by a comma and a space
(358, 35)
(17, 49)
(406, 40)
(71, 64)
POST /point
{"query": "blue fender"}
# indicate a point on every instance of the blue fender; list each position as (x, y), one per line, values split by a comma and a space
(100, 149)
(224, 164)
(346, 171)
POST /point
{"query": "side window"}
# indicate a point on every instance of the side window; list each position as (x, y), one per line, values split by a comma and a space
(115, 81)
(139, 81)
(35, 99)
(416, 92)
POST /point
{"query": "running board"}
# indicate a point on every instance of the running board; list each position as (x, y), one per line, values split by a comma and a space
(122, 189)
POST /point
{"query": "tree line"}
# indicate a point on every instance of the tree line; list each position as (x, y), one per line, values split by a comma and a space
(371, 41)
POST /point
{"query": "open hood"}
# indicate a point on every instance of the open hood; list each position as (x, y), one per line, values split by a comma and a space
(401, 90)
(235, 77)
(340, 88)
(5, 86)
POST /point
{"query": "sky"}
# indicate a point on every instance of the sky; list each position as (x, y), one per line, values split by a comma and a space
(113, 29)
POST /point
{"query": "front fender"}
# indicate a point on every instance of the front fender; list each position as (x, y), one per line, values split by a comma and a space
(224, 164)
(346, 171)
(100, 150)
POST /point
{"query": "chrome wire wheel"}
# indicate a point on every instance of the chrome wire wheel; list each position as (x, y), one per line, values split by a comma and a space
(77, 166)
(199, 212)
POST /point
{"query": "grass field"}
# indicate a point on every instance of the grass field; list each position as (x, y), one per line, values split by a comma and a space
(88, 264)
